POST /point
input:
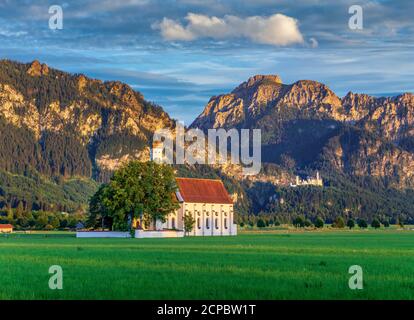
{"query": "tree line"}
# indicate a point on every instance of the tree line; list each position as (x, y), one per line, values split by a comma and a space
(300, 221)
(22, 219)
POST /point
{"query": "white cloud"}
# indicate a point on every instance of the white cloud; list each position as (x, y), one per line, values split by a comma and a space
(276, 29)
(171, 30)
(7, 33)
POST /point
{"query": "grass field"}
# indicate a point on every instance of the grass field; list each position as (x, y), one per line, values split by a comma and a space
(309, 265)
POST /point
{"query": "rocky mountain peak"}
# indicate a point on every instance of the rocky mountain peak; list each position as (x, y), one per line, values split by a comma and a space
(264, 102)
(265, 95)
(125, 93)
(309, 92)
(311, 86)
(407, 98)
(120, 89)
(357, 105)
(354, 98)
(37, 69)
(258, 80)
(82, 82)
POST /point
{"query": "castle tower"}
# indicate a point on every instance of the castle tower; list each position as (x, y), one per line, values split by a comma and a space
(319, 181)
(156, 153)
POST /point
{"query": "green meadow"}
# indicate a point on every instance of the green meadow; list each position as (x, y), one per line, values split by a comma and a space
(266, 265)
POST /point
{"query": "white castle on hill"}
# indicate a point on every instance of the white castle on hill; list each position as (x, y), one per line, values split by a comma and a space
(309, 181)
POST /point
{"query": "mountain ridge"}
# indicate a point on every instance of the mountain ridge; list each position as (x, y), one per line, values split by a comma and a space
(254, 96)
(87, 110)
(64, 132)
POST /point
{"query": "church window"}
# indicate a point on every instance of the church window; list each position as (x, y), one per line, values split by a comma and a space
(198, 223)
(225, 223)
(216, 223)
(173, 223)
(207, 224)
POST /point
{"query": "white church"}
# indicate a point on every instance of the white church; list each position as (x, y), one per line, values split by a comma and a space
(206, 200)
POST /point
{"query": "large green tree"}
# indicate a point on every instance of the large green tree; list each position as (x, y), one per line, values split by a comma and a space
(137, 189)
(97, 209)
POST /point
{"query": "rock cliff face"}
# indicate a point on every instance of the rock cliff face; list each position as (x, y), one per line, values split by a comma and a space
(265, 95)
(358, 135)
(392, 119)
(37, 69)
(73, 121)
(358, 154)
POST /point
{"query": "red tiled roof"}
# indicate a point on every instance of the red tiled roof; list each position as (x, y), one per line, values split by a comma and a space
(203, 191)
(5, 226)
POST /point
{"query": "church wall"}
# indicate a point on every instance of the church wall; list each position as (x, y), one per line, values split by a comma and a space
(217, 219)
(174, 220)
(210, 219)
(227, 219)
(196, 210)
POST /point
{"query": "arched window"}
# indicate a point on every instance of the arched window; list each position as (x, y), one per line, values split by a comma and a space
(216, 223)
(198, 223)
(173, 223)
(207, 223)
(225, 223)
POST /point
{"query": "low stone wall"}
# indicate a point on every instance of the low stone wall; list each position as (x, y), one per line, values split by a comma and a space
(102, 234)
(141, 234)
(234, 229)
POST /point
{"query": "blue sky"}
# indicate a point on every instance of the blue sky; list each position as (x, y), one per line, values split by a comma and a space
(179, 53)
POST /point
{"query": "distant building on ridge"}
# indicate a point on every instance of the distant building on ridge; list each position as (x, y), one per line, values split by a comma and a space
(309, 181)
